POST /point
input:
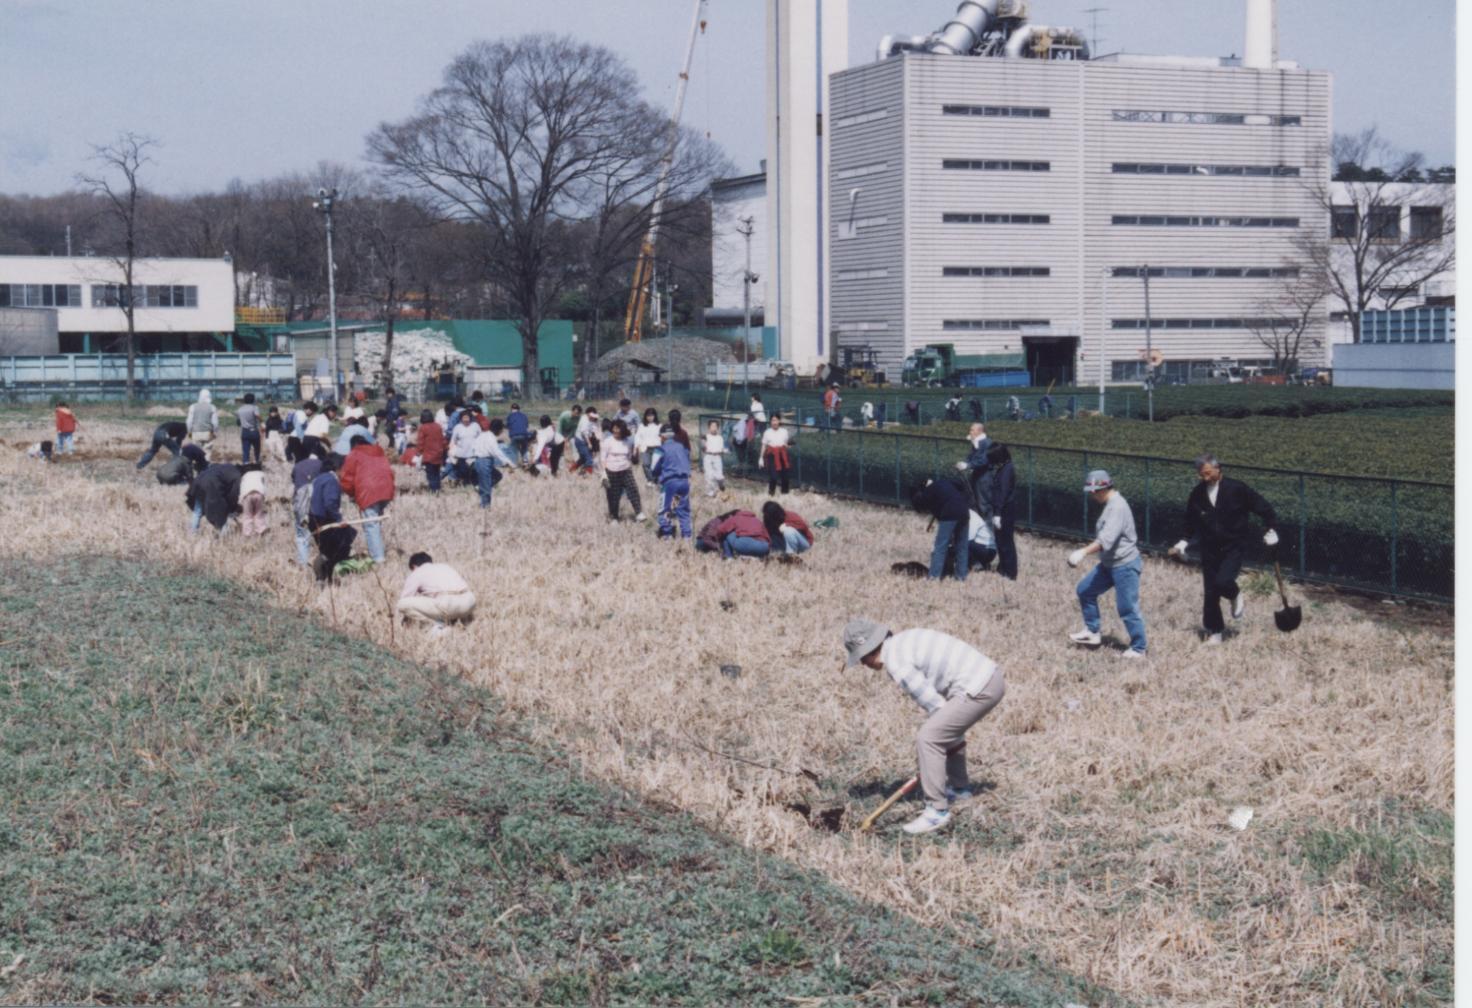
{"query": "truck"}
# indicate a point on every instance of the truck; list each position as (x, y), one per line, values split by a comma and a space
(937, 364)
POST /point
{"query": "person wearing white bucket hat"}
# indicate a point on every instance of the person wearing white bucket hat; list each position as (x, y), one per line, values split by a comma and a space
(1119, 567)
(955, 683)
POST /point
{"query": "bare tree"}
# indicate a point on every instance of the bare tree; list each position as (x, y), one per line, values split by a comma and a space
(118, 185)
(386, 235)
(521, 138)
(1290, 315)
(1366, 257)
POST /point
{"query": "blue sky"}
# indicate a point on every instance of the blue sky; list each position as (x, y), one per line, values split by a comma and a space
(254, 90)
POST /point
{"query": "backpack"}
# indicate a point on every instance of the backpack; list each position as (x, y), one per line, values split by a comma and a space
(301, 504)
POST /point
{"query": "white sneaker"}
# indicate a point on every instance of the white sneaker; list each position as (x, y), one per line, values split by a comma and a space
(1086, 636)
(1131, 653)
(953, 795)
(439, 628)
(1239, 605)
(641, 517)
(928, 822)
(1213, 639)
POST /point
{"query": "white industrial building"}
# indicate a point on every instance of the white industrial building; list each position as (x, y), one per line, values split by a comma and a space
(179, 302)
(735, 205)
(992, 185)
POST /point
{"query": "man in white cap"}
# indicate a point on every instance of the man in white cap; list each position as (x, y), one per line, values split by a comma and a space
(1119, 567)
(955, 683)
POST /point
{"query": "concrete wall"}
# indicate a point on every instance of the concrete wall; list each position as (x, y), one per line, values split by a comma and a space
(891, 136)
(1396, 365)
(731, 201)
(28, 331)
(214, 278)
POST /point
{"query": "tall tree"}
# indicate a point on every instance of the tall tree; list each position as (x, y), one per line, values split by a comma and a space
(1289, 316)
(117, 183)
(519, 138)
(1367, 256)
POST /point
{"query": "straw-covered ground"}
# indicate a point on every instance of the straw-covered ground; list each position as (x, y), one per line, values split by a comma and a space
(1101, 840)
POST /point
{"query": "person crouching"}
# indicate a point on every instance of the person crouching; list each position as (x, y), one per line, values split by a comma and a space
(434, 593)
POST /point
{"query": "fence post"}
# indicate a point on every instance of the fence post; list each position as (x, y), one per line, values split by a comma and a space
(1394, 532)
(1031, 480)
(1302, 527)
(1147, 500)
(898, 494)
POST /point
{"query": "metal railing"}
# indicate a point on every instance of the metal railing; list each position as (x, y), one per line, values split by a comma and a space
(1391, 536)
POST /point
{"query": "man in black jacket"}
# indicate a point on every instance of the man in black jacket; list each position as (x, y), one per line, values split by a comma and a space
(1217, 520)
(217, 491)
(949, 504)
(165, 435)
(1000, 487)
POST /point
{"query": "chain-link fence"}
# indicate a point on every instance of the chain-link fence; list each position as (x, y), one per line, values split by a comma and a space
(1390, 536)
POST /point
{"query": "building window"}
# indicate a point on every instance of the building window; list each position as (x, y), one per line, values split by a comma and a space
(1199, 323)
(1207, 118)
(1247, 171)
(1425, 223)
(862, 274)
(1398, 292)
(846, 328)
(994, 218)
(997, 111)
(150, 296)
(991, 325)
(1153, 220)
(995, 271)
(1345, 222)
(40, 296)
(860, 118)
(862, 170)
(1384, 223)
(957, 164)
(1209, 272)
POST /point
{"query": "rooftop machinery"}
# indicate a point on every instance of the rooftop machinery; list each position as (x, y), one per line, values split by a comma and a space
(992, 28)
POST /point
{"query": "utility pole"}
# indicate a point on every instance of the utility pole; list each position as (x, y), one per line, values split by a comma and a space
(1149, 357)
(748, 278)
(324, 201)
(1103, 329)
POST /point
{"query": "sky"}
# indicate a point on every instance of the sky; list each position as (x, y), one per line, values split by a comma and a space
(255, 90)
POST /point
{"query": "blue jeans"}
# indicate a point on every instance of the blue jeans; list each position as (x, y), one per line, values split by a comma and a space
(159, 441)
(675, 505)
(522, 443)
(197, 516)
(739, 545)
(303, 543)
(485, 479)
(373, 531)
(949, 533)
(64, 442)
(585, 455)
(794, 542)
(1125, 580)
(250, 440)
(432, 476)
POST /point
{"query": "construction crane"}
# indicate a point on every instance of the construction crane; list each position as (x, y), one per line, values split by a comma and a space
(640, 291)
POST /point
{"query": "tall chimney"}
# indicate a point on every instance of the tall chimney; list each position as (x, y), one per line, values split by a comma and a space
(1261, 52)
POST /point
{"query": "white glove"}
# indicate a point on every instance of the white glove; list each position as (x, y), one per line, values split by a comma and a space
(960, 467)
(996, 521)
(1270, 537)
(1076, 557)
(1178, 550)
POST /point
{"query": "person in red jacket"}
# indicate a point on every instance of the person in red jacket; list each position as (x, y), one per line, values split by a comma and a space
(432, 448)
(786, 528)
(66, 428)
(738, 533)
(368, 476)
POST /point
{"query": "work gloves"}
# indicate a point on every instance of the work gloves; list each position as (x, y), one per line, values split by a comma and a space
(997, 521)
(1076, 557)
(1270, 537)
(1178, 550)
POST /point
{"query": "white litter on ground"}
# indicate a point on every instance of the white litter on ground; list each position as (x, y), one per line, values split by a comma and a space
(1240, 817)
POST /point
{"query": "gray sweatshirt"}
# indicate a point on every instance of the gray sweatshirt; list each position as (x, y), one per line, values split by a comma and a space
(1115, 531)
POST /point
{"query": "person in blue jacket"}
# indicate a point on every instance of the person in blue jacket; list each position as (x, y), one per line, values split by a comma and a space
(672, 470)
(948, 502)
(334, 541)
(519, 430)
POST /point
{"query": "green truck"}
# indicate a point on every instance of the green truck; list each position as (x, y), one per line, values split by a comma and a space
(937, 364)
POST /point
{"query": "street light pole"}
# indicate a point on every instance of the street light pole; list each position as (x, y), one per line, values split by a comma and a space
(1103, 327)
(746, 230)
(1149, 363)
(325, 199)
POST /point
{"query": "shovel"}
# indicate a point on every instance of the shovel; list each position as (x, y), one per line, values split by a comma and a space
(1290, 616)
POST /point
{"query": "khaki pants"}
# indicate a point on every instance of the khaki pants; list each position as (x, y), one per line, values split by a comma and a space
(205, 439)
(946, 730)
(437, 608)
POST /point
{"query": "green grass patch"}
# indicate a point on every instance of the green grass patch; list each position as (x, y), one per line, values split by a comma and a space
(208, 800)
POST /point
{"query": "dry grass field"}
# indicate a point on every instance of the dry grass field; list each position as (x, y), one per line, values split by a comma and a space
(1101, 840)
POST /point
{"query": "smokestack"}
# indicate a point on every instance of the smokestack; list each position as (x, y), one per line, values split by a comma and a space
(1261, 52)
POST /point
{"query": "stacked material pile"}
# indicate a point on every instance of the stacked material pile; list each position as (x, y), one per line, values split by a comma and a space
(415, 350)
(691, 355)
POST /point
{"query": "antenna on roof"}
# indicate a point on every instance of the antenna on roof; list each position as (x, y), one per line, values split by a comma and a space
(1093, 13)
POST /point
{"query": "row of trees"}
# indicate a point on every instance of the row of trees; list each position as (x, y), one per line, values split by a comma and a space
(521, 187)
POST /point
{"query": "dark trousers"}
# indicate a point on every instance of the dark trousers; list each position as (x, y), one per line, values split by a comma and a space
(521, 442)
(432, 475)
(336, 545)
(294, 450)
(158, 442)
(622, 484)
(313, 446)
(777, 474)
(1007, 546)
(1219, 570)
(557, 450)
(250, 440)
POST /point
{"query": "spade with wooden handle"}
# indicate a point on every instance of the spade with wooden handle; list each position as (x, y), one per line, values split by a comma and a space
(904, 789)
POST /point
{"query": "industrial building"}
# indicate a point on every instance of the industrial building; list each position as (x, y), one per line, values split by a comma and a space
(992, 185)
(180, 304)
